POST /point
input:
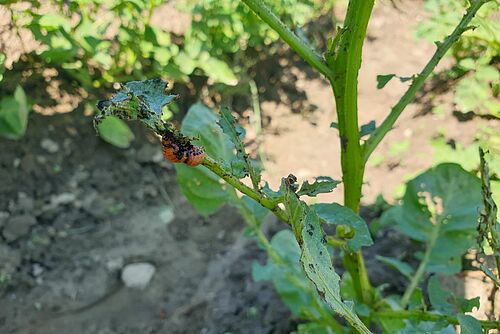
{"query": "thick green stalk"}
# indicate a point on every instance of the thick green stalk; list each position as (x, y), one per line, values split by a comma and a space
(344, 58)
(425, 315)
(377, 136)
(297, 44)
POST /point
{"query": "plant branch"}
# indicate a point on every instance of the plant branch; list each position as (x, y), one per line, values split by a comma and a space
(419, 80)
(297, 44)
(402, 314)
(212, 165)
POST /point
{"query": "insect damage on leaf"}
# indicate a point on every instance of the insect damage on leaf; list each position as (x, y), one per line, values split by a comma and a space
(137, 100)
(143, 101)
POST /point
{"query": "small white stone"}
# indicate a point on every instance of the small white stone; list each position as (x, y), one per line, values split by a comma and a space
(167, 215)
(138, 275)
(49, 145)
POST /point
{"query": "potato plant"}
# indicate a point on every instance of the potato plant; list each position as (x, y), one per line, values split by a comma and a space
(439, 209)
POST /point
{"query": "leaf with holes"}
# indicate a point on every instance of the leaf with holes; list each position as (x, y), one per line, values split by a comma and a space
(460, 195)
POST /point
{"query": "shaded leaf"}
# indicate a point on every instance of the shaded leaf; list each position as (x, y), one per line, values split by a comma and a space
(116, 132)
(469, 324)
(460, 197)
(287, 276)
(200, 186)
(14, 112)
(340, 215)
(403, 267)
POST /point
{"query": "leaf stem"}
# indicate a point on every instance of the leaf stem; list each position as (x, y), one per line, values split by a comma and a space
(303, 49)
(215, 167)
(423, 315)
(423, 264)
(379, 133)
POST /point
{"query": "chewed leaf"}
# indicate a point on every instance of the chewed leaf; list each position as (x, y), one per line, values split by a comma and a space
(323, 184)
(340, 215)
(459, 195)
(242, 165)
(383, 79)
(141, 100)
(317, 264)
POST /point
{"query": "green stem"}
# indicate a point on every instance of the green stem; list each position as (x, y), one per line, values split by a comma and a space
(423, 315)
(344, 58)
(212, 165)
(377, 136)
(297, 44)
(423, 264)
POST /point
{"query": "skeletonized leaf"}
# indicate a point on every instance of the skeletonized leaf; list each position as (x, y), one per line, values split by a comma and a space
(141, 100)
(323, 184)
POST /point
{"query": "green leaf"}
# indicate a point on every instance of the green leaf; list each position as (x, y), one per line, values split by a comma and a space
(141, 100)
(323, 184)
(383, 79)
(317, 264)
(314, 328)
(14, 112)
(367, 128)
(218, 71)
(284, 270)
(340, 215)
(200, 186)
(460, 195)
(52, 21)
(441, 299)
(115, 131)
(334, 125)
(469, 324)
(403, 267)
(242, 166)
(253, 212)
(2, 67)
